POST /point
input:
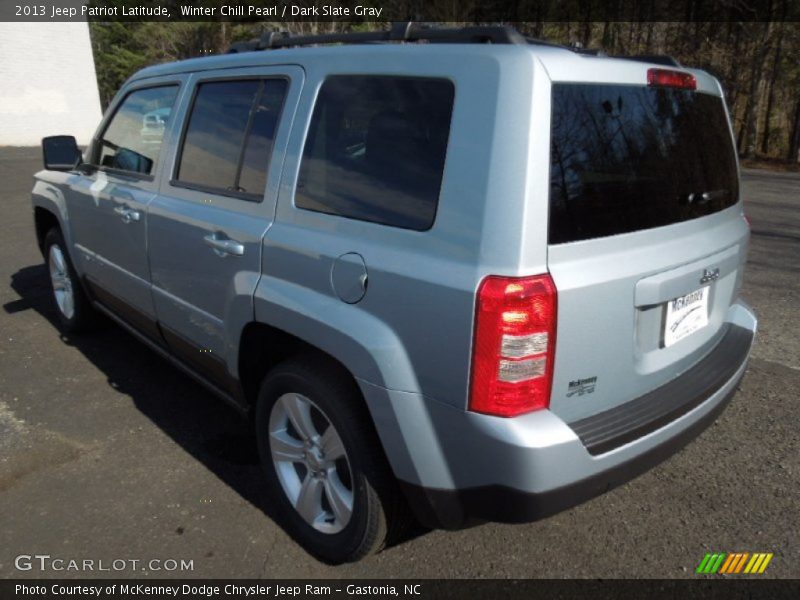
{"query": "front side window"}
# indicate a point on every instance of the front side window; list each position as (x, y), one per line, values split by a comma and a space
(376, 149)
(229, 137)
(132, 141)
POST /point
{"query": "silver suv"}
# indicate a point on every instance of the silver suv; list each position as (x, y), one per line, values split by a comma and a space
(462, 281)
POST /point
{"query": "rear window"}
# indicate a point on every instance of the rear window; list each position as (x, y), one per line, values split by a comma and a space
(376, 149)
(228, 141)
(216, 132)
(626, 158)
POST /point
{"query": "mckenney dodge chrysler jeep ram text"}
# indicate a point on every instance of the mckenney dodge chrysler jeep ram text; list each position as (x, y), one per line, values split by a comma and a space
(457, 280)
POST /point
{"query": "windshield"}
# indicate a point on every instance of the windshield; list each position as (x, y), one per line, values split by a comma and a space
(626, 158)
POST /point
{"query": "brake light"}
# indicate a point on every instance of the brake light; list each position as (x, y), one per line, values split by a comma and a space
(669, 78)
(514, 345)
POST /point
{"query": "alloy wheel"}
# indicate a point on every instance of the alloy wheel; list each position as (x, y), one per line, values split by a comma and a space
(62, 283)
(311, 463)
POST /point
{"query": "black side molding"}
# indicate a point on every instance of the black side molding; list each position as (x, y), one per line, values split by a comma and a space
(627, 422)
(134, 317)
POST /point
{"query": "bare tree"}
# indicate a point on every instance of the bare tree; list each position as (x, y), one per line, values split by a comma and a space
(762, 45)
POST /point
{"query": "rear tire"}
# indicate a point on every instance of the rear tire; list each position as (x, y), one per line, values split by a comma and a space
(74, 310)
(324, 465)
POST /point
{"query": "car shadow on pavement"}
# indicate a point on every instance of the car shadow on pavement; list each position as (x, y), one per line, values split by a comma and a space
(193, 417)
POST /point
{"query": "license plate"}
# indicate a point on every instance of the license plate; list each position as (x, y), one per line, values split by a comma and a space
(685, 315)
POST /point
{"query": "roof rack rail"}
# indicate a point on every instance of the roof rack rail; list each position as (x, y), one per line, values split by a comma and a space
(658, 59)
(579, 48)
(400, 32)
(420, 32)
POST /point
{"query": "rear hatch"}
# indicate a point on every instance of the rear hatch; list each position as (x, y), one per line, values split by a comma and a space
(646, 235)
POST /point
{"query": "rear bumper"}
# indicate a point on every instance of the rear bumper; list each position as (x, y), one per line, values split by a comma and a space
(456, 467)
(456, 508)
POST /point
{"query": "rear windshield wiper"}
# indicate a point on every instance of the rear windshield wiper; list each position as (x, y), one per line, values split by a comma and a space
(703, 197)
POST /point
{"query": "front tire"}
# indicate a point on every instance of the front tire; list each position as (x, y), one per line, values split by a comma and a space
(324, 464)
(72, 307)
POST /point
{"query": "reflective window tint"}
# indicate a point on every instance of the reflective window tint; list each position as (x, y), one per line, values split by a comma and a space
(132, 140)
(258, 149)
(213, 142)
(376, 149)
(626, 158)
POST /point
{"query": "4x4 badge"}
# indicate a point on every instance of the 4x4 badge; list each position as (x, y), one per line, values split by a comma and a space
(709, 275)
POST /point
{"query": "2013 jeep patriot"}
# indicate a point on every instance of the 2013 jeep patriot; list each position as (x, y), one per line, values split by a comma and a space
(486, 281)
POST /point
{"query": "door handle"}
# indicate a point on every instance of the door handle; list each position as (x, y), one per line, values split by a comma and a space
(224, 246)
(128, 214)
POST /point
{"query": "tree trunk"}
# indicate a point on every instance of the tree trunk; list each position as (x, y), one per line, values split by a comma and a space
(587, 27)
(756, 72)
(733, 83)
(742, 128)
(629, 49)
(771, 96)
(794, 139)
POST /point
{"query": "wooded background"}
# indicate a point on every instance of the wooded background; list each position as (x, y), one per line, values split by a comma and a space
(758, 63)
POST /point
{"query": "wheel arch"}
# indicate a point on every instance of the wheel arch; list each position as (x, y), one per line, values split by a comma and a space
(49, 210)
(291, 320)
(364, 344)
(44, 220)
(262, 347)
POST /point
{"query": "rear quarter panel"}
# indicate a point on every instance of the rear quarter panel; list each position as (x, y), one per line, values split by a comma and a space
(413, 329)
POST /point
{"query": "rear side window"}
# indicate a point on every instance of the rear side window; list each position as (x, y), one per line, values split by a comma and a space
(229, 136)
(132, 140)
(626, 158)
(376, 149)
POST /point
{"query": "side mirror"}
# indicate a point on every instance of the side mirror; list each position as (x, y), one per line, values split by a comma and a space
(61, 153)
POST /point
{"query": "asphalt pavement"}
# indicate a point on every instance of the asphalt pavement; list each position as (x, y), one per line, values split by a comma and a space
(108, 453)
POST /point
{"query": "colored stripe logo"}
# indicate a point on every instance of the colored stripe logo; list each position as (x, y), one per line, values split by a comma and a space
(734, 563)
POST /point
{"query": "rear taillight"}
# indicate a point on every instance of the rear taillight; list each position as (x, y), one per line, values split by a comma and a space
(515, 337)
(669, 78)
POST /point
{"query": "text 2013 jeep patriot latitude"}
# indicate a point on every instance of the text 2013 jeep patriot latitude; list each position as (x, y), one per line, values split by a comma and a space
(464, 281)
